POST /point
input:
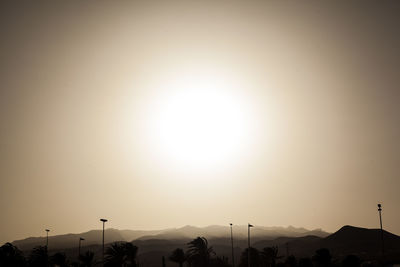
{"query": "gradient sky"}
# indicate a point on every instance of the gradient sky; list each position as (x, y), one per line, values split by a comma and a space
(312, 90)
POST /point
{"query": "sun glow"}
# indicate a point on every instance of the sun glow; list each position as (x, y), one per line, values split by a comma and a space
(201, 121)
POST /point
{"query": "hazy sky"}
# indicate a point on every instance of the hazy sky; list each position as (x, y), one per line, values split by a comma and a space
(163, 114)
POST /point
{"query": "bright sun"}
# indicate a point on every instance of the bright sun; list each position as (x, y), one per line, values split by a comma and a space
(200, 121)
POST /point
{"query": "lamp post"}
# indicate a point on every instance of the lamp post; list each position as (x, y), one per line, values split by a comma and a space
(79, 247)
(47, 237)
(248, 247)
(233, 257)
(104, 221)
(380, 220)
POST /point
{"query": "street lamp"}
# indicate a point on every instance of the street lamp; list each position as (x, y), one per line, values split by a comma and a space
(79, 247)
(47, 237)
(248, 247)
(104, 221)
(233, 257)
(380, 220)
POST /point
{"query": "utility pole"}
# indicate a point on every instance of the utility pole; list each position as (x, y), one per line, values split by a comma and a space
(233, 257)
(47, 238)
(104, 221)
(248, 245)
(79, 247)
(380, 220)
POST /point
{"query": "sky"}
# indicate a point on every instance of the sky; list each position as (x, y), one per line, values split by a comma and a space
(171, 113)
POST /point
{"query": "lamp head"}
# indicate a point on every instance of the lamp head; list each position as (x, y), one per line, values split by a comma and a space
(47, 230)
(81, 238)
(103, 220)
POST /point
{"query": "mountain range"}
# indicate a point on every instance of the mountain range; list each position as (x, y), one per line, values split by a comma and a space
(300, 242)
(188, 232)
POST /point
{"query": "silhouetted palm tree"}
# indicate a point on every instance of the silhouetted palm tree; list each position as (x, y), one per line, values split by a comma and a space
(87, 259)
(11, 256)
(199, 253)
(270, 255)
(38, 257)
(121, 254)
(178, 256)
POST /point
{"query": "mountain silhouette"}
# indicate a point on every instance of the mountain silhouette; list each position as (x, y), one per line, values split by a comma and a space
(183, 234)
(93, 237)
(365, 243)
(361, 241)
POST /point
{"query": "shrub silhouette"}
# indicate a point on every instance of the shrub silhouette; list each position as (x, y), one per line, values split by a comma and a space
(38, 257)
(11, 256)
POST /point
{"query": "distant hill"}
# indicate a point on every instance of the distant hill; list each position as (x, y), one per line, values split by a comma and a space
(185, 233)
(93, 237)
(365, 243)
(239, 231)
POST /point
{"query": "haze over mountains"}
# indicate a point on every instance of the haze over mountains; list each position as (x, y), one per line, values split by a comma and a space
(300, 242)
(188, 232)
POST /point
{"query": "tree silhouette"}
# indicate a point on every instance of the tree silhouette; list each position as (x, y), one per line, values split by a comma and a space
(121, 254)
(255, 260)
(199, 253)
(38, 257)
(270, 255)
(178, 256)
(87, 259)
(11, 256)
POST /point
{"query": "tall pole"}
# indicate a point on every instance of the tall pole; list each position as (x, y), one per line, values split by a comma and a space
(47, 238)
(380, 220)
(248, 245)
(79, 247)
(104, 221)
(233, 257)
